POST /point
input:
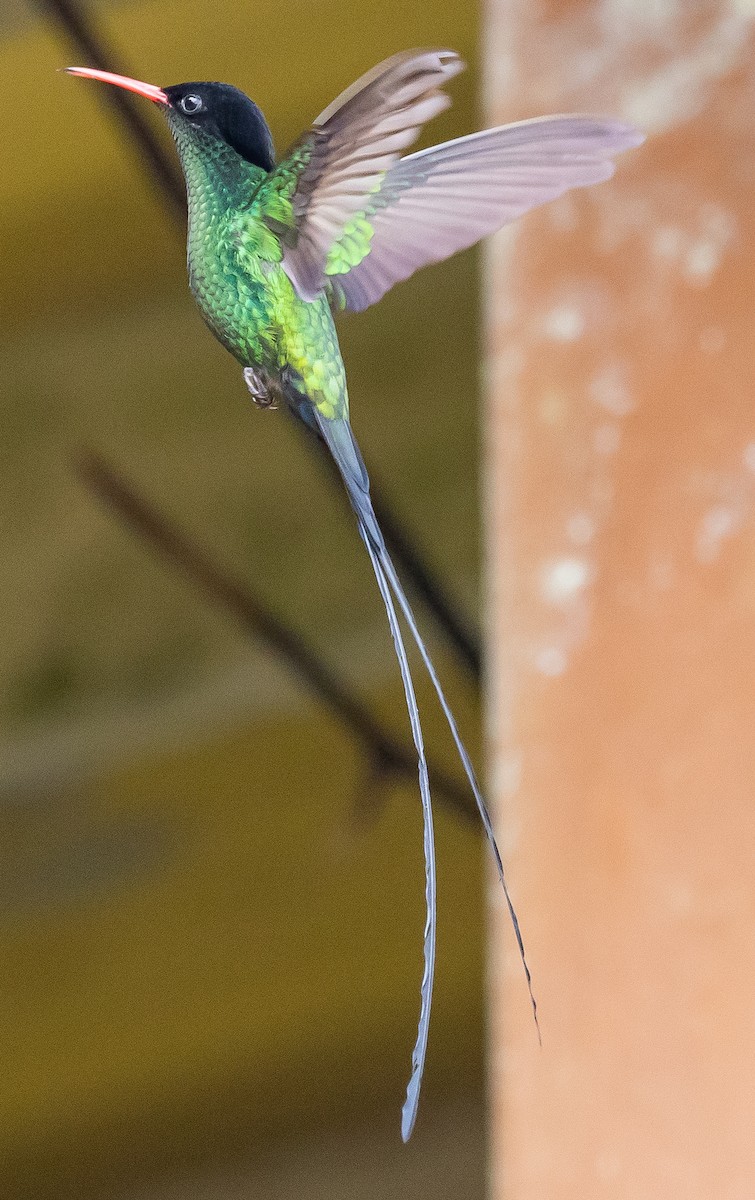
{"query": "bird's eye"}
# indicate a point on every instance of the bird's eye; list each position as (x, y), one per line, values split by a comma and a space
(190, 105)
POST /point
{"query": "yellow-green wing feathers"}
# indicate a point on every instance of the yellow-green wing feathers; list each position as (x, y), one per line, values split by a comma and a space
(324, 182)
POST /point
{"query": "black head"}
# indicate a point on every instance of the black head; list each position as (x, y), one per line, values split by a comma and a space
(216, 108)
(226, 113)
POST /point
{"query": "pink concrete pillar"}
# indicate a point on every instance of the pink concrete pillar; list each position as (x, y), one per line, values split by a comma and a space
(620, 505)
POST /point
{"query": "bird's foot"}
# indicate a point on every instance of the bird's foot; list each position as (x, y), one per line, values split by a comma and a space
(259, 389)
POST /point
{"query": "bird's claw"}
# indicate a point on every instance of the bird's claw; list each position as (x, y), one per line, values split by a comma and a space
(261, 393)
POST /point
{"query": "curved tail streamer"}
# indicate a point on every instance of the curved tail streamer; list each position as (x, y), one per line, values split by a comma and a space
(340, 440)
(409, 1111)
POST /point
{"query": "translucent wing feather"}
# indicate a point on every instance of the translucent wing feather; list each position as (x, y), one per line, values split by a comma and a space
(442, 200)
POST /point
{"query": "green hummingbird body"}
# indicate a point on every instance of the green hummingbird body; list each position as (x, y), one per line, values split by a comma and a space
(338, 221)
(235, 255)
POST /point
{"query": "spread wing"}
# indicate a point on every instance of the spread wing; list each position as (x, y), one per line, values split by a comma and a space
(439, 201)
(329, 175)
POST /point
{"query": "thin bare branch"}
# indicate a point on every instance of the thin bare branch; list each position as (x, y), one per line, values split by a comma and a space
(386, 755)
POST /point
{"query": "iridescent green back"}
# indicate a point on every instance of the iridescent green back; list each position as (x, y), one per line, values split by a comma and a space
(238, 215)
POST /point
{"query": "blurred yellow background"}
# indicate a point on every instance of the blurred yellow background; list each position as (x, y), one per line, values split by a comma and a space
(211, 956)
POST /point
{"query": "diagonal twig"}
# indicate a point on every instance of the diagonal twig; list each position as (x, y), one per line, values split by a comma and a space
(386, 755)
(76, 24)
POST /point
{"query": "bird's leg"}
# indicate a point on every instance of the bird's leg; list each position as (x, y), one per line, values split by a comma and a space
(262, 395)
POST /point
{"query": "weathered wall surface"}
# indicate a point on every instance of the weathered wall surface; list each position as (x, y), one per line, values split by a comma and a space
(621, 571)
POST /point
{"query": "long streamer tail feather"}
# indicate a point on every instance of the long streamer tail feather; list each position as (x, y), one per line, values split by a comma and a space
(482, 807)
(340, 440)
(409, 1111)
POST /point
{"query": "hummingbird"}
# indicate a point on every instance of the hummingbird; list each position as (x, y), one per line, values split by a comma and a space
(278, 247)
